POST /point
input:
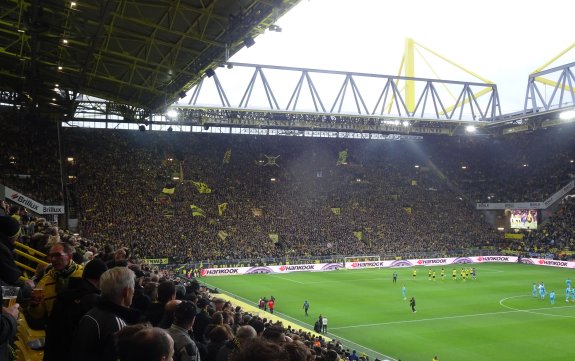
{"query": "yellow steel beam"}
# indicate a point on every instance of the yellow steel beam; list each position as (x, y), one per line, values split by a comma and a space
(553, 59)
(392, 100)
(485, 80)
(466, 99)
(409, 61)
(552, 83)
(408, 67)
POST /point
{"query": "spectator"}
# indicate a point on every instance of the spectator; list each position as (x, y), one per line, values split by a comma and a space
(95, 337)
(149, 344)
(69, 307)
(166, 293)
(184, 346)
(54, 282)
(243, 335)
(9, 233)
(8, 328)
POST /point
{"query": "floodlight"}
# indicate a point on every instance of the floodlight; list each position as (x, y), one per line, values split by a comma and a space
(567, 115)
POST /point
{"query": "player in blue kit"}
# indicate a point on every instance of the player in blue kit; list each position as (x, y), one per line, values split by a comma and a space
(542, 291)
(403, 293)
(568, 282)
(572, 294)
(534, 290)
(552, 297)
(567, 293)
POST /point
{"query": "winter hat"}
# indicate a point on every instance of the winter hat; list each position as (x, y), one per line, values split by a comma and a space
(94, 269)
(9, 227)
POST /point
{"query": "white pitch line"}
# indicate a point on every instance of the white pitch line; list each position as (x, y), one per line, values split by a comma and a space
(288, 279)
(460, 316)
(533, 309)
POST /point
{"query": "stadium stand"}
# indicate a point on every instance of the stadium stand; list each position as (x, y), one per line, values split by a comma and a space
(245, 199)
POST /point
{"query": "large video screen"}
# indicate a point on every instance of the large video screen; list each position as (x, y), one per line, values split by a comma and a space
(522, 218)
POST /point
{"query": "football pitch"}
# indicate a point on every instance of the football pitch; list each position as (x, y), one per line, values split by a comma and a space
(494, 317)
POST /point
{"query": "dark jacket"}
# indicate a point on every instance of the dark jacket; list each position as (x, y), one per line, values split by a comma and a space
(70, 305)
(155, 312)
(201, 322)
(8, 327)
(95, 336)
(9, 272)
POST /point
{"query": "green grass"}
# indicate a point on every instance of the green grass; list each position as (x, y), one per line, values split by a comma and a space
(493, 317)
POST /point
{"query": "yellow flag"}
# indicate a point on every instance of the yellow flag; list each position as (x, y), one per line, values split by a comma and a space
(408, 210)
(222, 235)
(202, 187)
(413, 182)
(227, 156)
(197, 211)
(336, 211)
(222, 207)
(274, 237)
(358, 235)
(169, 190)
(342, 158)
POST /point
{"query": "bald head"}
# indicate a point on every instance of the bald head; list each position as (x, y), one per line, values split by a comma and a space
(246, 332)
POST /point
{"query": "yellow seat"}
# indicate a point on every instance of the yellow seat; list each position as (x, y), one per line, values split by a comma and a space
(24, 335)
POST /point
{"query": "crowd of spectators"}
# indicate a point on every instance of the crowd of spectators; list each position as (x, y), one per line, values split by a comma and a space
(103, 304)
(284, 198)
(555, 238)
(288, 197)
(524, 167)
(376, 203)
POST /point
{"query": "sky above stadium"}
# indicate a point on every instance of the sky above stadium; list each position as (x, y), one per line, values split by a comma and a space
(500, 40)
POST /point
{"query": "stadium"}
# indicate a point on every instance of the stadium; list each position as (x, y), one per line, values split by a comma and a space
(240, 215)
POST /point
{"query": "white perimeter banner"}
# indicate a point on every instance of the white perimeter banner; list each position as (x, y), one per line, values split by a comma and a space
(321, 267)
(31, 204)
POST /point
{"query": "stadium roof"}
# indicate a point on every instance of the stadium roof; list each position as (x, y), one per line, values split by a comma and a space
(142, 53)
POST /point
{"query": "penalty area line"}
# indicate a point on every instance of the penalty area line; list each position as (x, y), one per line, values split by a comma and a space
(511, 310)
(287, 279)
(422, 320)
(533, 310)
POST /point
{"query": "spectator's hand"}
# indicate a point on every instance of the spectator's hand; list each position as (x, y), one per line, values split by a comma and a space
(13, 310)
(37, 297)
(30, 283)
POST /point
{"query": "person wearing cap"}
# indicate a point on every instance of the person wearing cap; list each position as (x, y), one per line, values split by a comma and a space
(185, 348)
(71, 304)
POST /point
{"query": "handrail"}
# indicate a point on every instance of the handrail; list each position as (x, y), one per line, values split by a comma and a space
(31, 258)
(29, 249)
